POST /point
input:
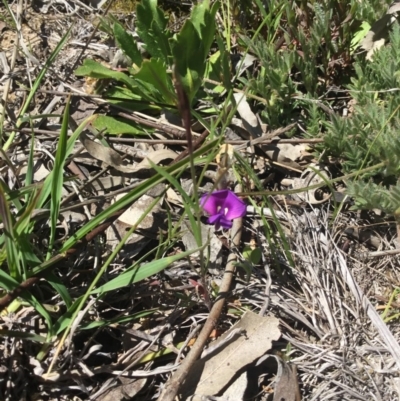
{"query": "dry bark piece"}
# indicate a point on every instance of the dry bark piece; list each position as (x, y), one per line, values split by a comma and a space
(82, 109)
(275, 153)
(236, 391)
(156, 157)
(214, 372)
(133, 245)
(131, 216)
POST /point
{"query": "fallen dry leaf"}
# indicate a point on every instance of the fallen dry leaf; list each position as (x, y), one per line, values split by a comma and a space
(379, 32)
(214, 249)
(249, 119)
(277, 155)
(286, 383)
(152, 222)
(126, 390)
(317, 174)
(100, 152)
(132, 215)
(156, 157)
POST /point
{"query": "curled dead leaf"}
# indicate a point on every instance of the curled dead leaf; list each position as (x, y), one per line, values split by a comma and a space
(315, 174)
(100, 152)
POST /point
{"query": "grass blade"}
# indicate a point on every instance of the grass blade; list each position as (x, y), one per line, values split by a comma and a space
(141, 272)
(58, 178)
(36, 85)
(10, 238)
(47, 185)
(188, 202)
(23, 335)
(132, 196)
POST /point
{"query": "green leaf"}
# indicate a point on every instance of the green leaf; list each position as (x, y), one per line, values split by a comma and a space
(93, 69)
(151, 26)
(57, 284)
(188, 202)
(58, 178)
(3, 256)
(44, 194)
(225, 61)
(126, 99)
(247, 267)
(23, 335)
(117, 320)
(30, 164)
(40, 309)
(63, 321)
(359, 36)
(190, 47)
(252, 255)
(11, 242)
(154, 78)
(7, 282)
(188, 52)
(127, 44)
(24, 224)
(141, 272)
(203, 20)
(117, 126)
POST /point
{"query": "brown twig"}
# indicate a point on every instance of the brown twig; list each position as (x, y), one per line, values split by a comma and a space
(196, 145)
(243, 143)
(177, 132)
(172, 387)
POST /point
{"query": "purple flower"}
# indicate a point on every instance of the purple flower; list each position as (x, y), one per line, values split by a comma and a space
(222, 206)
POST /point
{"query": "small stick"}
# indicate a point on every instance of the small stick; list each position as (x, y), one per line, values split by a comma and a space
(173, 385)
(162, 127)
(199, 141)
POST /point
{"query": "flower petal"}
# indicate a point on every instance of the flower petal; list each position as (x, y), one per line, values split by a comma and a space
(214, 219)
(235, 207)
(212, 203)
(225, 223)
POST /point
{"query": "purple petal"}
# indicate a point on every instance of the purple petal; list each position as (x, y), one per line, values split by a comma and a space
(225, 223)
(222, 207)
(235, 207)
(214, 219)
(212, 203)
